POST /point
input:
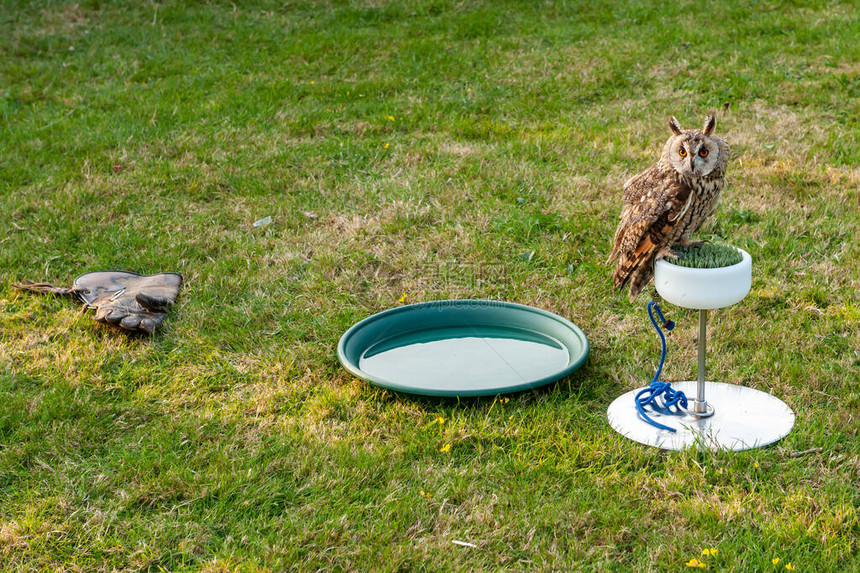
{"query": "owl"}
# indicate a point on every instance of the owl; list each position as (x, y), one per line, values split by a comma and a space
(668, 202)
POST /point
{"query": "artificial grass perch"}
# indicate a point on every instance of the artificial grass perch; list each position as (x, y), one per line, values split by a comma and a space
(706, 256)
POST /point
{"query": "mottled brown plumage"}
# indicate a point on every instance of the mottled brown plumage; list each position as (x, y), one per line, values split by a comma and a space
(668, 202)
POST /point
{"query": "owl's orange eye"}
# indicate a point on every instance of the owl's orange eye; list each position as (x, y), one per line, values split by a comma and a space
(682, 152)
(703, 152)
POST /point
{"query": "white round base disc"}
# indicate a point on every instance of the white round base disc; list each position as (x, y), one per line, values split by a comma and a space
(743, 419)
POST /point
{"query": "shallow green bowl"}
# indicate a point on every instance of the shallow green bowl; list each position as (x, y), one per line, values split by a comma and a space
(462, 348)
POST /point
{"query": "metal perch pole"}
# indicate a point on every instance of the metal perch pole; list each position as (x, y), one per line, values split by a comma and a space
(701, 408)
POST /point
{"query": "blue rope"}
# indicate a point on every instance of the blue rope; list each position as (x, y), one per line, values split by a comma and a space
(671, 398)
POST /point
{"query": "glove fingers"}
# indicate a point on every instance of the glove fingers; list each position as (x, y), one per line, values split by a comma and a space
(149, 323)
(130, 319)
(130, 322)
(153, 302)
(109, 314)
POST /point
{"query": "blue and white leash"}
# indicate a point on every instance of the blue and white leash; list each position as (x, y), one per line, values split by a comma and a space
(671, 398)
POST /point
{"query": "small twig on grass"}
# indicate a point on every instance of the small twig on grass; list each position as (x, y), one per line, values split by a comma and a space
(798, 454)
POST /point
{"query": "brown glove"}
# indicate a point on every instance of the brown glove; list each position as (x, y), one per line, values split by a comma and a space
(128, 300)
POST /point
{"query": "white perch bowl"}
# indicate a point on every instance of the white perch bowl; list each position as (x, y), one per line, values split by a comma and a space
(703, 288)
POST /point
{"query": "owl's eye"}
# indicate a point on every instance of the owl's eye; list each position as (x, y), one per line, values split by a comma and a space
(682, 152)
(703, 152)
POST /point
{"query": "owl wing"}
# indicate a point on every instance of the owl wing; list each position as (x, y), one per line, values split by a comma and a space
(641, 184)
(640, 207)
(644, 230)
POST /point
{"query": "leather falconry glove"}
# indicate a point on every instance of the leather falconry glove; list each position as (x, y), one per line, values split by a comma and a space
(128, 300)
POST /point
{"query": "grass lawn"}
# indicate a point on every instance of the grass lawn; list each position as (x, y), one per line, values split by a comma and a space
(406, 152)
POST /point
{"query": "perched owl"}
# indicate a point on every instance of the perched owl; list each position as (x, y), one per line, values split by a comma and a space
(668, 202)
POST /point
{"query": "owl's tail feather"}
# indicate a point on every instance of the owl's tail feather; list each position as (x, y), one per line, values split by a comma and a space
(640, 281)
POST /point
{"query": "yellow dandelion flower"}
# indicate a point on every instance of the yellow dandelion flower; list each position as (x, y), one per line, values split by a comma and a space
(505, 400)
(446, 448)
(789, 566)
(389, 117)
(385, 146)
(712, 551)
(402, 298)
(313, 82)
(755, 465)
(440, 420)
(775, 560)
(695, 563)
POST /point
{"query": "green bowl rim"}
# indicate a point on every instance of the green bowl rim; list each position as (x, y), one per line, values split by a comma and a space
(353, 368)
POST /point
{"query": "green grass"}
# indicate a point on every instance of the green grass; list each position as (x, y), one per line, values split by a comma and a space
(706, 256)
(413, 151)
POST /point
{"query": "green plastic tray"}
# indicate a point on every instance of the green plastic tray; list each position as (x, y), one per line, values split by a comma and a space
(462, 348)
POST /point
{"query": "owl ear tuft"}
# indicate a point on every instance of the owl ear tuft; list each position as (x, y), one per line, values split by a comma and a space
(710, 124)
(675, 126)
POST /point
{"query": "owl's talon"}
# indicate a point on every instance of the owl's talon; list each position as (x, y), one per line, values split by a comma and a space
(666, 252)
(693, 244)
